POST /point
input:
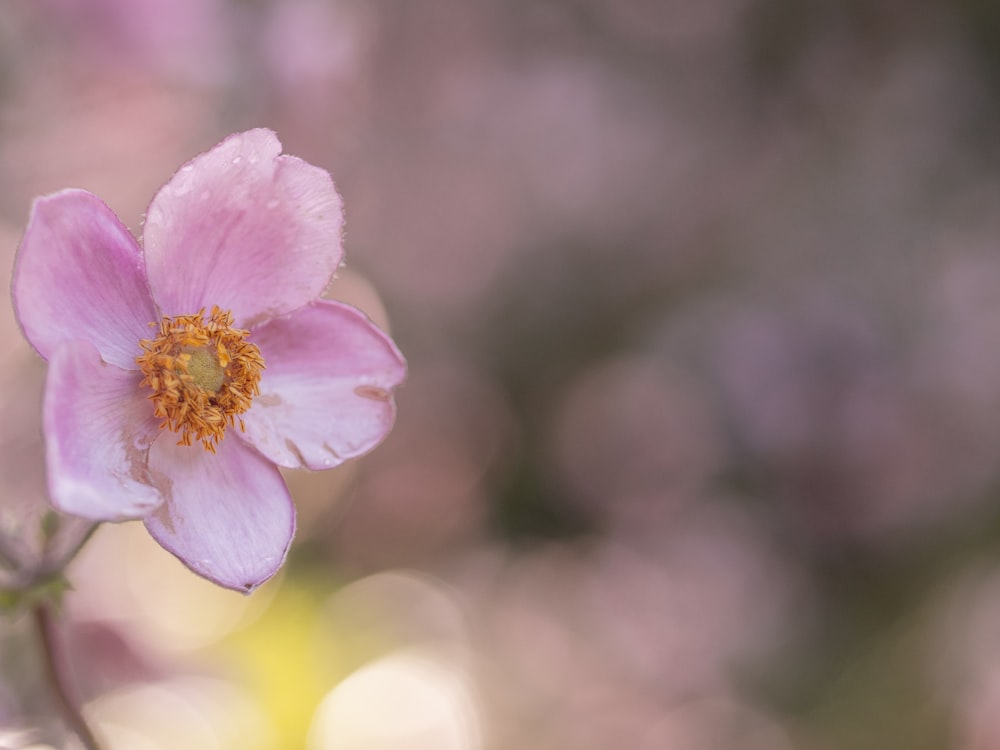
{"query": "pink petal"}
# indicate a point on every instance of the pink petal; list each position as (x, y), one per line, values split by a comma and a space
(227, 516)
(98, 428)
(79, 276)
(326, 391)
(245, 229)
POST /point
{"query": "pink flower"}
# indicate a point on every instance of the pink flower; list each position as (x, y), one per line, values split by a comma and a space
(182, 373)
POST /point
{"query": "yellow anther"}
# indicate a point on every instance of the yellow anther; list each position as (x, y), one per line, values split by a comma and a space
(203, 374)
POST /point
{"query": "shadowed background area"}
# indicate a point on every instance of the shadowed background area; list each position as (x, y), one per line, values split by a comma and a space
(700, 446)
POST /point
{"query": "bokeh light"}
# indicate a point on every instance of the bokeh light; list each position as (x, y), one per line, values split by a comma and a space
(406, 699)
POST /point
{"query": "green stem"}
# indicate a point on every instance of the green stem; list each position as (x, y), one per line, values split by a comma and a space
(56, 669)
(68, 557)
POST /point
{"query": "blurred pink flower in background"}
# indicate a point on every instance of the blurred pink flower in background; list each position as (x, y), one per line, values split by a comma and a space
(424, 491)
(264, 249)
(634, 441)
(623, 634)
(187, 39)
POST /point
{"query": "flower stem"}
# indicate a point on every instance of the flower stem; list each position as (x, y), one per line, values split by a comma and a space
(56, 670)
(68, 557)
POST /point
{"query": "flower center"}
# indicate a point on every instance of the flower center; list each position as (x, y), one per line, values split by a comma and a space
(203, 374)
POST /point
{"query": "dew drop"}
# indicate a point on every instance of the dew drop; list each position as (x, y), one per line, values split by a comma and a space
(237, 160)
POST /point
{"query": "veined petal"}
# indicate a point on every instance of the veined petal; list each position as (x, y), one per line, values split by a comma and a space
(228, 516)
(79, 276)
(245, 229)
(98, 429)
(326, 391)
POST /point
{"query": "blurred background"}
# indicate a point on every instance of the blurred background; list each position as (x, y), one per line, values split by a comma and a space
(700, 447)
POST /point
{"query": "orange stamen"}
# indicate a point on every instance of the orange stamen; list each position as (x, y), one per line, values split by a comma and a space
(203, 374)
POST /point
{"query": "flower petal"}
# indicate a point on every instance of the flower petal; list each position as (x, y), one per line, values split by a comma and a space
(326, 391)
(79, 275)
(245, 229)
(98, 429)
(227, 516)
